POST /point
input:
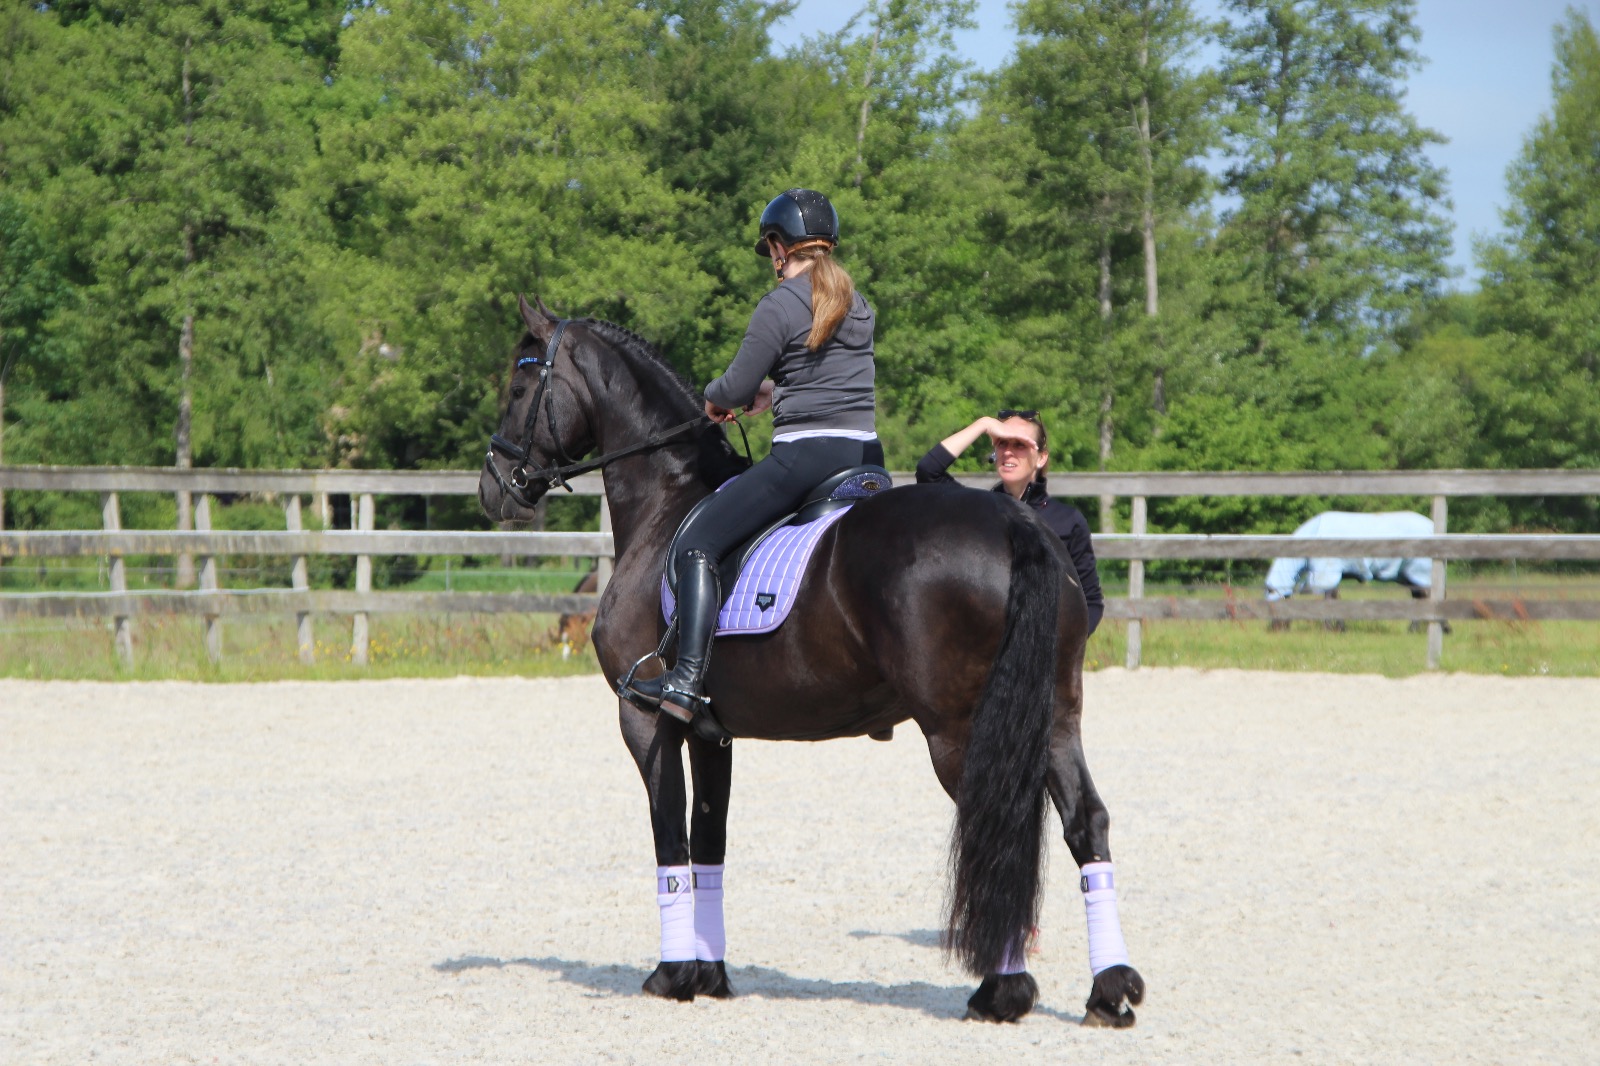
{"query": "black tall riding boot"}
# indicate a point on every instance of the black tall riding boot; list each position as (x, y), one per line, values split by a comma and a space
(678, 691)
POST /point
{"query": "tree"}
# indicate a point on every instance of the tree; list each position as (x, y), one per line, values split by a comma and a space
(1094, 132)
(1336, 238)
(31, 289)
(481, 149)
(1541, 284)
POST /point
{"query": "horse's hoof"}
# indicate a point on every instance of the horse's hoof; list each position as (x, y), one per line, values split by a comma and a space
(711, 979)
(1003, 998)
(673, 980)
(1106, 1008)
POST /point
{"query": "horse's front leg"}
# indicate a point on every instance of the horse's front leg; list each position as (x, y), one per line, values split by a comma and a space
(711, 765)
(656, 743)
(1117, 985)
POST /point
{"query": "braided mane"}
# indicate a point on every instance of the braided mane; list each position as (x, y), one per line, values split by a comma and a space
(639, 350)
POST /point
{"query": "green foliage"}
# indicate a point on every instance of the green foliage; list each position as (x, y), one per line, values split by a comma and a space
(343, 199)
(1336, 238)
(1541, 291)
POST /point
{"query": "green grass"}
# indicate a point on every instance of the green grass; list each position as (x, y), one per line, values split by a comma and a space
(263, 648)
(523, 646)
(1521, 649)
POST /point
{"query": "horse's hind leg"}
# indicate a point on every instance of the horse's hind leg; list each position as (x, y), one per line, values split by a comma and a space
(1000, 997)
(1117, 985)
(711, 766)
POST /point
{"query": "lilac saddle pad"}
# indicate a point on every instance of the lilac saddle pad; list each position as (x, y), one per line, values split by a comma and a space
(767, 586)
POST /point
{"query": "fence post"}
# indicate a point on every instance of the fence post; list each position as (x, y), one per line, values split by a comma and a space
(1136, 586)
(1441, 520)
(299, 579)
(603, 565)
(208, 579)
(358, 627)
(111, 518)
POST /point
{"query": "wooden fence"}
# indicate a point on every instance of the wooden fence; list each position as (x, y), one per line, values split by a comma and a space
(212, 603)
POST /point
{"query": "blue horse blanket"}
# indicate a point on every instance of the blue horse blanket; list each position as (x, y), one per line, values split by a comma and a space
(1322, 575)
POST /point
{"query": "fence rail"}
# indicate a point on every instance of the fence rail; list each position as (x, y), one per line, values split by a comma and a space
(1138, 546)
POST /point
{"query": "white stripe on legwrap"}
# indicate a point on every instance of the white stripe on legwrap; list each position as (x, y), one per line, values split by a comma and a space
(1106, 947)
(676, 901)
(710, 939)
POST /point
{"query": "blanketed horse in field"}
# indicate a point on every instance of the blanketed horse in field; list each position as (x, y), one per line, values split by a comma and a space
(938, 605)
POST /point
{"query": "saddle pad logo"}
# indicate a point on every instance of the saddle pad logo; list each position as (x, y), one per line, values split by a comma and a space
(765, 600)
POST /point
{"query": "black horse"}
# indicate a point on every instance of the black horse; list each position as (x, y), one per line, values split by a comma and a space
(939, 605)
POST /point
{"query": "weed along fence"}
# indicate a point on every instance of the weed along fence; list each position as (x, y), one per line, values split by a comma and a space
(212, 603)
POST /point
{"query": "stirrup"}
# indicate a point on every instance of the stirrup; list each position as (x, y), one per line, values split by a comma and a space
(629, 690)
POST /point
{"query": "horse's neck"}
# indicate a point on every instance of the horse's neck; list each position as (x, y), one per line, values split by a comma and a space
(647, 502)
(648, 494)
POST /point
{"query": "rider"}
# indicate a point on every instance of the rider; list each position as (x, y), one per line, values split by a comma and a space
(1021, 453)
(808, 355)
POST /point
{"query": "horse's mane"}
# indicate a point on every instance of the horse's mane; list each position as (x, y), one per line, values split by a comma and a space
(717, 459)
(638, 350)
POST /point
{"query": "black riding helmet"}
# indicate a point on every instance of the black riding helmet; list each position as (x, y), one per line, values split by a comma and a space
(798, 215)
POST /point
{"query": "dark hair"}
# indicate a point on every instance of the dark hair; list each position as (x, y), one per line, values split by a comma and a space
(1044, 435)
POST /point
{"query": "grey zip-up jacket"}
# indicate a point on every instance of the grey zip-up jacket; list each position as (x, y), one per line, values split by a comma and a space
(831, 388)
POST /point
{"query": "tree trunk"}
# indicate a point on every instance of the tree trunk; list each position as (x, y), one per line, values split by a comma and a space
(1108, 397)
(1152, 300)
(866, 99)
(3, 447)
(184, 457)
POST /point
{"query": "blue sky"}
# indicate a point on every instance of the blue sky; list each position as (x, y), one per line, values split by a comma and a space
(1486, 82)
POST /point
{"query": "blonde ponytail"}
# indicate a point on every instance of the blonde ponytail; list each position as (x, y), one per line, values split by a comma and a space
(832, 293)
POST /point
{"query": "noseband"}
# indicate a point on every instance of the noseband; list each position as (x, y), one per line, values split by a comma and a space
(522, 475)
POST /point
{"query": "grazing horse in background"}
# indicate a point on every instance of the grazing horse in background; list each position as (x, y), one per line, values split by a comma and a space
(939, 605)
(1322, 575)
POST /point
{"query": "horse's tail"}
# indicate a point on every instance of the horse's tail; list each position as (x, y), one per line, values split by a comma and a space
(997, 849)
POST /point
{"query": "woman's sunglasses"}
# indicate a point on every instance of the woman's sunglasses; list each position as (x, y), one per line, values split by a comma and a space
(1031, 416)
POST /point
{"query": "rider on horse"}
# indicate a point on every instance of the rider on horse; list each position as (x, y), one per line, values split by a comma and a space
(808, 355)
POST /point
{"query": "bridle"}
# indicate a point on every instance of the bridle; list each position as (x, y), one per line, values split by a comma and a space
(522, 475)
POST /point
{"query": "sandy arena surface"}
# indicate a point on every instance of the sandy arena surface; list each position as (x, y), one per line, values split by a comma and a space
(1314, 869)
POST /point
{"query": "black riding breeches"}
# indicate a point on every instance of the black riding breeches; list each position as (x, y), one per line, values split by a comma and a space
(774, 487)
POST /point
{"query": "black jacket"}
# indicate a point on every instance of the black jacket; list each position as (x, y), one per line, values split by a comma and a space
(1067, 521)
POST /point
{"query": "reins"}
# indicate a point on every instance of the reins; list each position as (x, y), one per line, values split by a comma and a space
(521, 475)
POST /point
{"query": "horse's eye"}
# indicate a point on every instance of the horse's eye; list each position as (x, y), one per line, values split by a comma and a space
(518, 391)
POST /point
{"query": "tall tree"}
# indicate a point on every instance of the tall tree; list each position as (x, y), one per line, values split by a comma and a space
(1337, 236)
(1541, 283)
(31, 289)
(480, 149)
(1102, 129)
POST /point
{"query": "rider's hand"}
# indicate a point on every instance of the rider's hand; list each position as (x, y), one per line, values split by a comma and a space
(719, 414)
(763, 400)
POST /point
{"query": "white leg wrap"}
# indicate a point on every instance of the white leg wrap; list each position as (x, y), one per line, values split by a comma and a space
(1016, 957)
(710, 939)
(676, 901)
(1106, 947)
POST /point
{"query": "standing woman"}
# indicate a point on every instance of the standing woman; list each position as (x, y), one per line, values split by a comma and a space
(807, 354)
(1021, 453)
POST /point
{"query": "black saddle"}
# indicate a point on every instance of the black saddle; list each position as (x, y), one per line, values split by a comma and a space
(839, 489)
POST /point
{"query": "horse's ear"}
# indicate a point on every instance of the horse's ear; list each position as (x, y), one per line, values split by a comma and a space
(536, 316)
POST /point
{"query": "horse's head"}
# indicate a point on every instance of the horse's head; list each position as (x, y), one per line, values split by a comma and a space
(548, 423)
